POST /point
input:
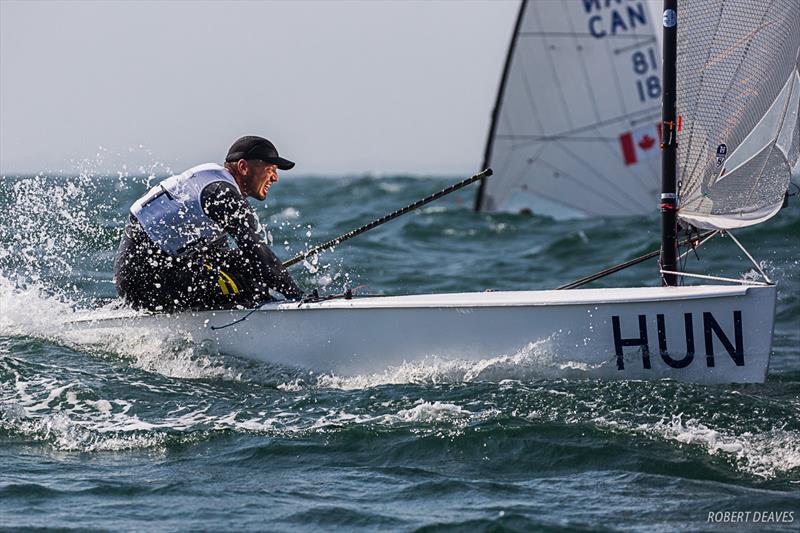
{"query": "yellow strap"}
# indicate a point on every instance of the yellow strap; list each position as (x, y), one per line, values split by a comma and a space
(230, 281)
(222, 279)
(222, 286)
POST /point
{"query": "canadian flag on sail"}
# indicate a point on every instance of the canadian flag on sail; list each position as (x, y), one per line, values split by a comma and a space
(640, 143)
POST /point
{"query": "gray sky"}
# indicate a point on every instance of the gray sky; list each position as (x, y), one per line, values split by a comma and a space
(340, 87)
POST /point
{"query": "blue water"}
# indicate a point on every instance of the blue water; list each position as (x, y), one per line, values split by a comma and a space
(144, 431)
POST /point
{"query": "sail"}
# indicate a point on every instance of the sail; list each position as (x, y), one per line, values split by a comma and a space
(575, 127)
(738, 94)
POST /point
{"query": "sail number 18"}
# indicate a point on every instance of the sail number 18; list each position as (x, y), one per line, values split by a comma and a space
(646, 66)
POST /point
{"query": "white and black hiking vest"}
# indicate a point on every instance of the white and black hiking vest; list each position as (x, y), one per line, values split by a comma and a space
(172, 215)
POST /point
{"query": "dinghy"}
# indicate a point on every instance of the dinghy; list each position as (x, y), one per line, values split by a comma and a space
(702, 334)
(733, 66)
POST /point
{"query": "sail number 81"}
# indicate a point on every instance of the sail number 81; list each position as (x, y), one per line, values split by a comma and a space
(648, 87)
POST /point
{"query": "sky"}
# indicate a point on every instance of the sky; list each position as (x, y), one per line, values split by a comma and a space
(342, 88)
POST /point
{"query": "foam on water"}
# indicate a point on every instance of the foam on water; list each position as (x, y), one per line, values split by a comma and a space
(62, 430)
(537, 360)
(69, 414)
(767, 451)
(765, 454)
(31, 311)
(28, 308)
(46, 409)
(428, 412)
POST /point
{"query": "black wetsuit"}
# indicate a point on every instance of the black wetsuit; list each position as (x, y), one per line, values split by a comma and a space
(212, 277)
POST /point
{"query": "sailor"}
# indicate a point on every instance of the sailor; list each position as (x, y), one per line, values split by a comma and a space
(174, 253)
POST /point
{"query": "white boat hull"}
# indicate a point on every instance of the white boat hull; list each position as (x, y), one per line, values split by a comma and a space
(705, 334)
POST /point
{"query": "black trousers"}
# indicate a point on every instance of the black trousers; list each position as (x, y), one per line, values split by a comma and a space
(219, 278)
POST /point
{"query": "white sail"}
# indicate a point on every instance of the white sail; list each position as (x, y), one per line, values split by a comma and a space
(738, 94)
(575, 127)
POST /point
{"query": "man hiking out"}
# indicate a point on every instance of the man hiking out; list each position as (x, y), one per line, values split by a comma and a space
(174, 253)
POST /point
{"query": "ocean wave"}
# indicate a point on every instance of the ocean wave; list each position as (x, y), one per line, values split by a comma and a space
(765, 454)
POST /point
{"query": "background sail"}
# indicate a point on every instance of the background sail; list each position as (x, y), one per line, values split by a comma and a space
(575, 127)
(738, 95)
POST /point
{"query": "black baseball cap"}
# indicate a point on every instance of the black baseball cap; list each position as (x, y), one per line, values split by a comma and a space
(253, 147)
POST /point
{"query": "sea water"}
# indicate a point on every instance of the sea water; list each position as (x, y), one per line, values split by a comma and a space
(142, 430)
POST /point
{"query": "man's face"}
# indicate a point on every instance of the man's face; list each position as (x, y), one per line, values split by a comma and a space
(260, 177)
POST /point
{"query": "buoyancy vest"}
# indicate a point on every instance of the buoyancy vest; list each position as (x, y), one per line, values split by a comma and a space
(172, 215)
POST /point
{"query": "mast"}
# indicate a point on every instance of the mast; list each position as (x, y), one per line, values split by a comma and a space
(669, 145)
(496, 110)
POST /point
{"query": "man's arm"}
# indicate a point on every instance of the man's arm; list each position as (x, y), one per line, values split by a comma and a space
(223, 203)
